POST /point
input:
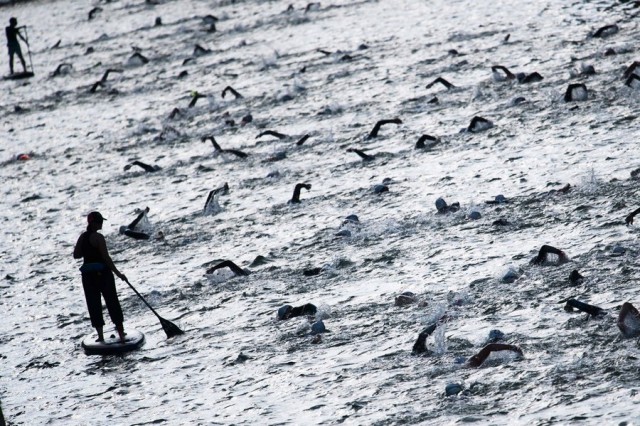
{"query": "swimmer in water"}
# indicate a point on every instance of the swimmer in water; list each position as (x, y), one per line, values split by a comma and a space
(130, 230)
(147, 168)
(629, 320)
(629, 219)
(630, 70)
(212, 198)
(379, 124)
(302, 140)
(272, 133)
(433, 141)
(62, 69)
(630, 81)
(420, 347)
(175, 113)
(138, 58)
(534, 77)
(232, 91)
(93, 12)
(103, 81)
(508, 75)
(246, 120)
(296, 192)
(592, 310)
(478, 124)
(105, 76)
(365, 157)
(576, 92)
(95, 86)
(442, 81)
(13, 32)
(406, 298)
(219, 149)
(542, 259)
(443, 207)
(229, 264)
(480, 357)
(287, 311)
(606, 31)
(199, 50)
(194, 98)
(575, 278)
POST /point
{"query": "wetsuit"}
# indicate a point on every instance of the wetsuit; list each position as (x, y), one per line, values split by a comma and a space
(97, 279)
(130, 231)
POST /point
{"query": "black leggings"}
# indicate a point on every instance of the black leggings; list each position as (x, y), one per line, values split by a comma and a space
(101, 283)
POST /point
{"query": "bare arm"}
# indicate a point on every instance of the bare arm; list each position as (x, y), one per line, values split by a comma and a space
(20, 35)
(583, 307)
(420, 346)
(480, 357)
(97, 240)
(77, 251)
(629, 219)
(133, 224)
(228, 264)
(546, 249)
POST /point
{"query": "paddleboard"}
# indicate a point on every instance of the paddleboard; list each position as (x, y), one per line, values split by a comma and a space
(18, 75)
(111, 345)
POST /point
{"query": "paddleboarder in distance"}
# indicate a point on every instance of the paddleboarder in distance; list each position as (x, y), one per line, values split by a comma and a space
(13, 32)
(97, 276)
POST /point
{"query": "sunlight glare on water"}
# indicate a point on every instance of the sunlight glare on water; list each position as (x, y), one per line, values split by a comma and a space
(329, 70)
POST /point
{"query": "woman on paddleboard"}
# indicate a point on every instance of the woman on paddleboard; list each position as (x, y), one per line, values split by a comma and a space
(97, 276)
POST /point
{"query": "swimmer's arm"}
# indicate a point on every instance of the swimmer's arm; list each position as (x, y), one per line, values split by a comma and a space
(133, 224)
(420, 346)
(480, 357)
(629, 219)
(546, 249)
(98, 241)
(77, 250)
(228, 264)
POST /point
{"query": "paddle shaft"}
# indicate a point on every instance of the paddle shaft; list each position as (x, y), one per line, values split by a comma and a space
(26, 36)
(145, 302)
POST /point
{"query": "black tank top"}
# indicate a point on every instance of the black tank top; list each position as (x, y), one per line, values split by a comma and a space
(89, 252)
(12, 35)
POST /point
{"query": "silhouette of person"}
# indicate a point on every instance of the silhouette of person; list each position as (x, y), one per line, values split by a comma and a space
(13, 32)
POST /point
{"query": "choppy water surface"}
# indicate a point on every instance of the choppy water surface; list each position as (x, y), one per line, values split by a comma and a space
(362, 371)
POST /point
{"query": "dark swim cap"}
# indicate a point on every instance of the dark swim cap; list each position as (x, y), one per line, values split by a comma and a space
(284, 312)
(95, 217)
(441, 205)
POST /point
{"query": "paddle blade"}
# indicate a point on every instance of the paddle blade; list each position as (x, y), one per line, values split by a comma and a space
(170, 328)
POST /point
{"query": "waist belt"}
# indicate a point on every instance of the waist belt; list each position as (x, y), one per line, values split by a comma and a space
(93, 267)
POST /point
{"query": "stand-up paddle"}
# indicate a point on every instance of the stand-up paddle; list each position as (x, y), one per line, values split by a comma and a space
(26, 36)
(170, 328)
